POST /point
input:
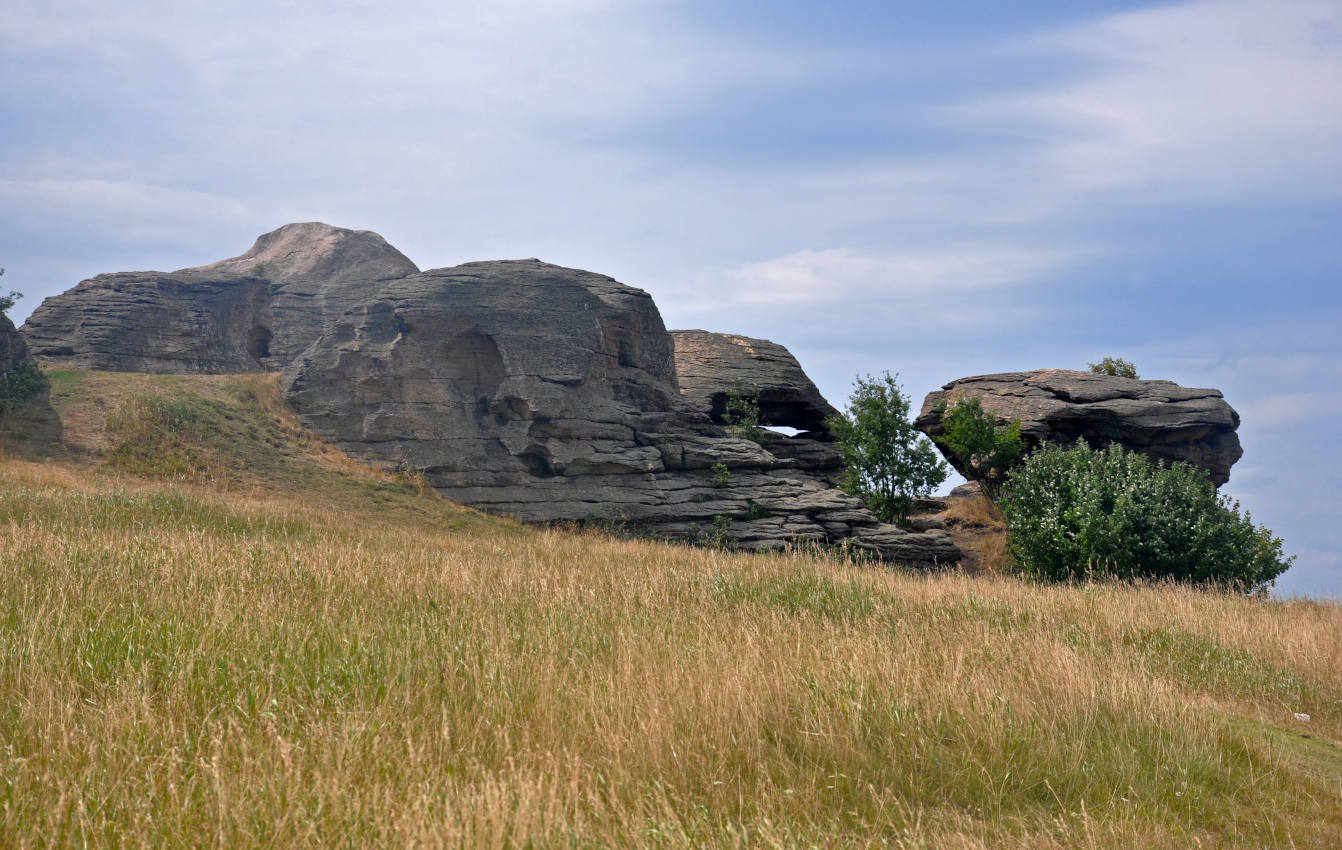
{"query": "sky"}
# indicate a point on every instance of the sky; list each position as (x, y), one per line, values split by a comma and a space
(934, 189)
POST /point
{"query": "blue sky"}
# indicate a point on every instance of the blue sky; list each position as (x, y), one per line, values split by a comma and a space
(936, 189)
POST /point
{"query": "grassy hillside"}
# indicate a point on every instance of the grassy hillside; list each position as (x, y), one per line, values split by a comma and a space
(242, 639)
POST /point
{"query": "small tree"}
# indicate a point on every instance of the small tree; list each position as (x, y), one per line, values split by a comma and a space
(742, 415)
(887, 461)
(7, 301)
(1115, 366)
(984, 451)
(1081, 512)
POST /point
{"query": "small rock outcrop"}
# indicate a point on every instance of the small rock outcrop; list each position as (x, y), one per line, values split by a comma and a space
(1161, 419)
(13, 350)
(252, 312)
(711, 367)
(550, 394)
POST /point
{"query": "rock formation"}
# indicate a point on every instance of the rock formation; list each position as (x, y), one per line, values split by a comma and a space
(187, 321)
(318, 272)
(13, 350)
(518, 387)
(1161, 419)
(710, 367)
(550, 394)
(252, 312)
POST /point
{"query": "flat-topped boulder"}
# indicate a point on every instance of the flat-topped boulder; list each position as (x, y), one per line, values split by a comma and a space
(550, 394)
(252, 312)
(1161, 419)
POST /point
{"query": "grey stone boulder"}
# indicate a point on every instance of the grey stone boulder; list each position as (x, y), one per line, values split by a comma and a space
(550, 394)
(1161, 419)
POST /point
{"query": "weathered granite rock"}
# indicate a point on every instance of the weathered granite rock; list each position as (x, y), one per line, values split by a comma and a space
(1158, 418)
(13, 350)
(550, 394)
(187, 321)
(251, 312)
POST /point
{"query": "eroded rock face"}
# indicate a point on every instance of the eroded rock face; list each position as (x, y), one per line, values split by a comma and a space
(712, 366)
(187, 321)
(1158, 418)
(550, 394)
(13, 350)
(248, 313)
(318, 272)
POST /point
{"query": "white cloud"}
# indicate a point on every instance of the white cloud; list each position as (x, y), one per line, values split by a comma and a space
(838, 274)
(1211, 99)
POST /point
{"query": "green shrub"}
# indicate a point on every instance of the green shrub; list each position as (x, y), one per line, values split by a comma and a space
(742, 416)
(887, 461)
(984, 451)
(721, 474)
(1080, 512)
(1115, 366)
(20, 384)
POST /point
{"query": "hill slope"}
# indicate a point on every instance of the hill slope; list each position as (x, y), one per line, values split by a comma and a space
(239, 638)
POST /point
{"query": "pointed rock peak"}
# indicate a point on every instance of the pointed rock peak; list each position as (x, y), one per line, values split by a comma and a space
(315, 251)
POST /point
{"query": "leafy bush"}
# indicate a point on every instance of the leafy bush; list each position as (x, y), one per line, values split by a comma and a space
(984, 451)
(1081, 512)
(721, 474)
(20, 384)
(742, 416)
(1115, 366)
(887, 461)
(7, 301)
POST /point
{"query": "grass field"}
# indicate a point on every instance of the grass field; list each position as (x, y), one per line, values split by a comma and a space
(244, 640)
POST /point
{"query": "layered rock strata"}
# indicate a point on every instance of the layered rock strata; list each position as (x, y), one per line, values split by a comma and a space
(1161, 419)
(550, 394)
(255, 311)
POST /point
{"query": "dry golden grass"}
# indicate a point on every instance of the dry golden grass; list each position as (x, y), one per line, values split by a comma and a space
(181, 666)
(979, 529)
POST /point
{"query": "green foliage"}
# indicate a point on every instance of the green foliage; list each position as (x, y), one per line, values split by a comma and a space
(7, 301)
(721, 474)
(754, 510)
(984, 450)
(20, 384)
(887, 461)
(161, 437)
(742, 416)
(1080, 512)
(1115, 366)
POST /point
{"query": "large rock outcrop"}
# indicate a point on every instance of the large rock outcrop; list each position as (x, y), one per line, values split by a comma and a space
(1161, 419)
(251, 312)
(550, 394)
